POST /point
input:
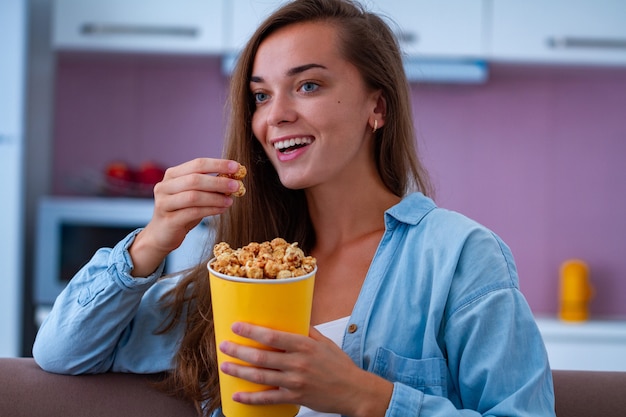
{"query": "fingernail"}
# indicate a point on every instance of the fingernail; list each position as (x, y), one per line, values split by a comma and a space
(233, 166)
(233, 185)
(236, 327)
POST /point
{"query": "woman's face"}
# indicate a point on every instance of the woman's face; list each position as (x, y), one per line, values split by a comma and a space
(312, 107)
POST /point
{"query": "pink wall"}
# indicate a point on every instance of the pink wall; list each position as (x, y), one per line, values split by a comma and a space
(536, 154)
(539, 156)
(108, 108)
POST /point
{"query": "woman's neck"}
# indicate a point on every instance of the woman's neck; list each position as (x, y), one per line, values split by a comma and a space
(343, 212)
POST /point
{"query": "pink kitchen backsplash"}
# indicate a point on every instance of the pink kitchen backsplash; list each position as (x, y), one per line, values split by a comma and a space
(537, 154)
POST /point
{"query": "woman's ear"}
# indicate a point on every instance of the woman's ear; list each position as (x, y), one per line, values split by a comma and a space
(377, 118)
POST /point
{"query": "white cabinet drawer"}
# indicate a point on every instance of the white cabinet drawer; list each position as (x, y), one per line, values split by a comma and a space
(158, 26)
(559, 31)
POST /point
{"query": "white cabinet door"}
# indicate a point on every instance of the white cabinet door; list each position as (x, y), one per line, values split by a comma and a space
(243, 17)
(425, 27)
(157, 26)
(559, 31)
(12, 69)
(449, 34)
(437, 28)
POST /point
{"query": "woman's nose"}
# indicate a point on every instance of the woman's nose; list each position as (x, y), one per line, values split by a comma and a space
(282, 110)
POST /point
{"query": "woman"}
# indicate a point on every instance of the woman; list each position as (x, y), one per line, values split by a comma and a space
(421, 305)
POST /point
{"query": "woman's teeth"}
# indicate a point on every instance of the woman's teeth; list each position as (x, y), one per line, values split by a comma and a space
(284, 145)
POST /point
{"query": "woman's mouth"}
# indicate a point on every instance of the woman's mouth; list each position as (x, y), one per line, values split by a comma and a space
(290, 145)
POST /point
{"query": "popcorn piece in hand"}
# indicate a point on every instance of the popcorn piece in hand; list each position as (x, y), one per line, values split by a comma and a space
(241, 191)
(239, 176)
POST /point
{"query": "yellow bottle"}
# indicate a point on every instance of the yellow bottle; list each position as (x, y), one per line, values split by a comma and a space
(576, 291)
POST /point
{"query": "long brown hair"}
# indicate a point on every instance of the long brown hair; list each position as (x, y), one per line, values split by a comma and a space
(269, 209)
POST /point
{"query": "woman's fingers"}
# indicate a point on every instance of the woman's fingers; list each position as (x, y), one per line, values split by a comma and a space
(257, 373)
(311, 371)
(272, 396)
(270, 368)
(260, 358)
(198, 190)
(286, 365)
(199, 175)
(276, 339)
(188, 193)
(193, 190)
(202, 166)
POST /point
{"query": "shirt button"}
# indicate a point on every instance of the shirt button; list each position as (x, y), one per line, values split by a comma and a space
(352, 328)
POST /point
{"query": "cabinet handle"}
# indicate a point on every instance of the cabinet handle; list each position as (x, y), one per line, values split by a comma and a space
(570, 42)
(405, 37)
(97, 29)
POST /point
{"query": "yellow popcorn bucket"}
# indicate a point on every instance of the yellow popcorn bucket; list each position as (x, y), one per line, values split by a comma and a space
(281, 304)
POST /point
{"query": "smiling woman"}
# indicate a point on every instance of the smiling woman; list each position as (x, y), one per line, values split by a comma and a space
(416, 309)
(305, 89)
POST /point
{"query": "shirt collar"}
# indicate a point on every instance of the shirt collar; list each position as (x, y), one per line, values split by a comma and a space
(411, 209)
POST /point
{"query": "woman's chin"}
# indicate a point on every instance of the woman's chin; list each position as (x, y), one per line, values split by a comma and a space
(294, 183)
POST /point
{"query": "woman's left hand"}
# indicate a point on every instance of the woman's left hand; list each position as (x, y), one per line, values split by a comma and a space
(311, 371)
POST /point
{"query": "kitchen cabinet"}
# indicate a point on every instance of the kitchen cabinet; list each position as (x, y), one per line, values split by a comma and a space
(244, 16)
(559, 31)
(533, 31)
(441, 41)
(424, 27)
(435, 28)
(144, 26)
(595, 345)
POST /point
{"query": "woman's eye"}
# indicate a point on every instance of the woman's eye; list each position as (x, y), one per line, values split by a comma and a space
(309, 87)
(260, 97)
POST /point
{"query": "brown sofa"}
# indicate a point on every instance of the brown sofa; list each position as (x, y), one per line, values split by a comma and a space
(27, 391)
(589, 393)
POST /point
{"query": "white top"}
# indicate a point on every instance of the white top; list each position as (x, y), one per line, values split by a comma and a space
(333, 330)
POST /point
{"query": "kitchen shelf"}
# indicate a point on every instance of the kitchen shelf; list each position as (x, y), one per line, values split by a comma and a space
(594, 345)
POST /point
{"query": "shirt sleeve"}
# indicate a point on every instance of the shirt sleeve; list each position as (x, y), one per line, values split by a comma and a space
(106, 320)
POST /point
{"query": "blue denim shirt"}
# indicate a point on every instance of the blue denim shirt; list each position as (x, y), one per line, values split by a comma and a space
(440, 315)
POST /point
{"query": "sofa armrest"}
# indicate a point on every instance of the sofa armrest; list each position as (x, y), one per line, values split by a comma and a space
(589, 393)
(28, 391)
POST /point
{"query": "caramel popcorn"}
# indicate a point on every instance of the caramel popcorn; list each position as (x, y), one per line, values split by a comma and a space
(239, 176)
(277, 259)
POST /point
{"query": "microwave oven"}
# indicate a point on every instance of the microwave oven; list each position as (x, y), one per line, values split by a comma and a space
(71, 229)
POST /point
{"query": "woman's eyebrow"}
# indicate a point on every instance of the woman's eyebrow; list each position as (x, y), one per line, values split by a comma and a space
(291, 72)
(302, 68)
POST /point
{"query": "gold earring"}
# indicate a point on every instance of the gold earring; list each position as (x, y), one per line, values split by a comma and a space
(375, 126)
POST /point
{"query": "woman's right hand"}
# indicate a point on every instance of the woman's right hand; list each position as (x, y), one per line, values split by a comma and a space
(188, 193)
